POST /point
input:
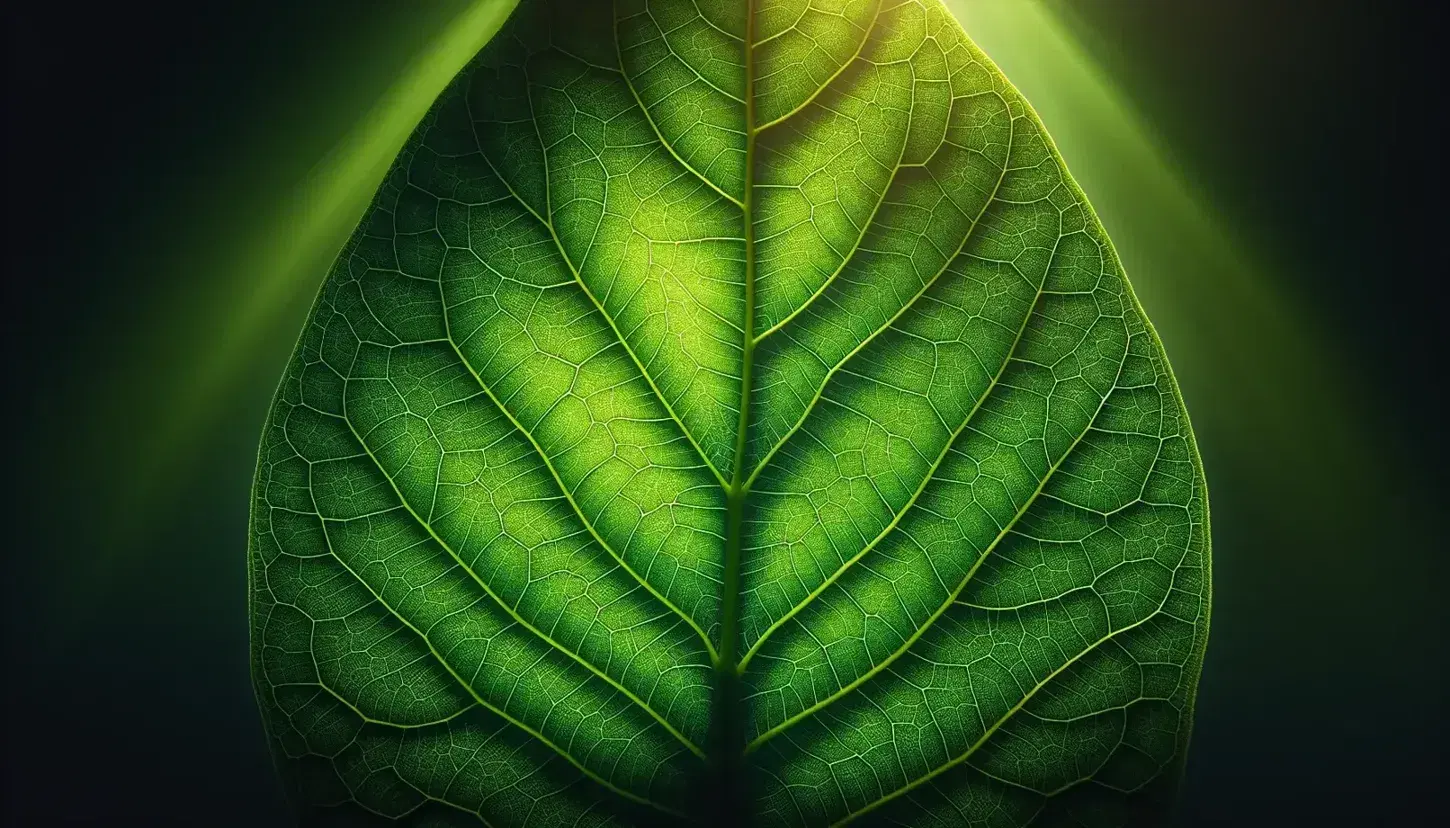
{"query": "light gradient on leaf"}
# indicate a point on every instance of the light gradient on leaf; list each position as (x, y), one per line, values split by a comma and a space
(504, 492)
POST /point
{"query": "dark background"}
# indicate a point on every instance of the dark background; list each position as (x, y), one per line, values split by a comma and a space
(136, 134)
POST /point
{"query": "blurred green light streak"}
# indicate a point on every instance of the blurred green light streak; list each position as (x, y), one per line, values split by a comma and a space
(327, 208)
(276, 261)
(1255, 373)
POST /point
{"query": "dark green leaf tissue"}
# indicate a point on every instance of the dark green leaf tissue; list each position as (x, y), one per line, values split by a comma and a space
(729, 411)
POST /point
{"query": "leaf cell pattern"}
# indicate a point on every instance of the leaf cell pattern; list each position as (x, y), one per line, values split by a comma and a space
(692, 341)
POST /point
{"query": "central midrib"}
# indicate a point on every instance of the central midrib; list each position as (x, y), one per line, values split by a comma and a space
(730, 735)
(738, 488)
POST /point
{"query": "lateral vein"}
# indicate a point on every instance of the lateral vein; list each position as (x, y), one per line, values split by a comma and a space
(887, 325)
(629, 82)
(860, 47)
(997, 725)
(466, 685)
(512, 613)
(966, 579)
(609, 320)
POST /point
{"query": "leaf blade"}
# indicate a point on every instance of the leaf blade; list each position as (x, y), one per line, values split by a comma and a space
(952, 462)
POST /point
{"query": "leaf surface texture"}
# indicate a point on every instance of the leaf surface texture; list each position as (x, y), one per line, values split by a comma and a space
(692, 344)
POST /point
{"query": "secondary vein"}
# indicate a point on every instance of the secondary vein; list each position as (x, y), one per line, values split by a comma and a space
(465, 684)
(997, 725)
(504, 605)
(887, 325)
(971, 573)
(608, 319)
(629, 82)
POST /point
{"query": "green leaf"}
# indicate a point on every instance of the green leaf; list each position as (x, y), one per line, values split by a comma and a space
(767, 434)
